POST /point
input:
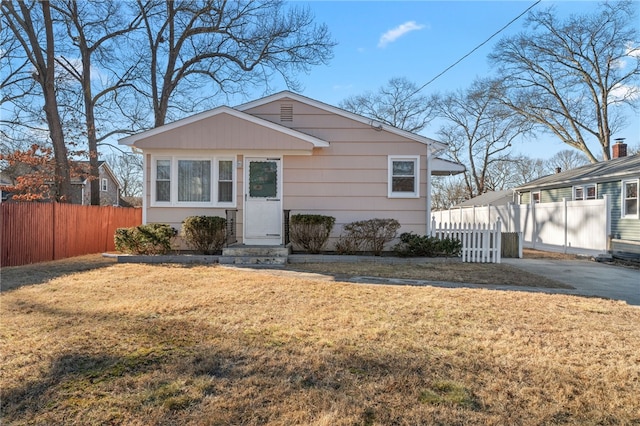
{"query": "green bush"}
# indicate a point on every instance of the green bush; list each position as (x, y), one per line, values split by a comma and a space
(310, 231)
(205, 234)
(367, 235)
(412, 245)
(154, 238)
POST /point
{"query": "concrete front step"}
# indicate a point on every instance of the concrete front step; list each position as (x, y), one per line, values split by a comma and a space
(256, 251)
(253, 260)
(254, 255)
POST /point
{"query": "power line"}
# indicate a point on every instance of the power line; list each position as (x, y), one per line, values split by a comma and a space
(476, 48)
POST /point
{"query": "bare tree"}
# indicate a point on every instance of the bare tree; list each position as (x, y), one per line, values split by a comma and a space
(397, 104)
(224, 47)
(480, 132)
(94, 30)
(31, 24)
(128, 169)
(448, 192)
(571, 76)
(566, 159)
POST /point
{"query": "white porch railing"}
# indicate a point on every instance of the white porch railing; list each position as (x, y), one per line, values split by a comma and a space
(480, 242)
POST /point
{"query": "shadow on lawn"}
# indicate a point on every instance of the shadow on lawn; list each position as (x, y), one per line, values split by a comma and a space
(39, 273)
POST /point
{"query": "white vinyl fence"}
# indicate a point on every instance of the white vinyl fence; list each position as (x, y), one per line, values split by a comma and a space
(567, 226)
(480, 242)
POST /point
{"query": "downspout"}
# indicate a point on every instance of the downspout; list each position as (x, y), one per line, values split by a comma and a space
(428, 209)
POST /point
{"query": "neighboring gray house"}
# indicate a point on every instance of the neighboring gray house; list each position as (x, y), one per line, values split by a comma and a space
(108, 182)
(80, 185)
(618, 178)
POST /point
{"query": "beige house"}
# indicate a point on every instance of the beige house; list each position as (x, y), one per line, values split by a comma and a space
(287, 153)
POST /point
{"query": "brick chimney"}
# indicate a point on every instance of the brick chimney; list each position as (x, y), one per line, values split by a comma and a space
(620, 148)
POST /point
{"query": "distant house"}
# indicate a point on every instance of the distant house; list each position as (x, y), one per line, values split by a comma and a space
(80, 183)
(287, 153)
(494, 198)
(108, 184)
(618, 179)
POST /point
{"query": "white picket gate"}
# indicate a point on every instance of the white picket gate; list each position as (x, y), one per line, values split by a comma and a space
(481, 243)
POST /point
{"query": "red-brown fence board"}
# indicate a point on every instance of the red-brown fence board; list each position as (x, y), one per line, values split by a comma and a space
(37, 232)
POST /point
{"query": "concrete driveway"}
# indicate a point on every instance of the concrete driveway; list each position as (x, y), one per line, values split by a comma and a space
(588, 277)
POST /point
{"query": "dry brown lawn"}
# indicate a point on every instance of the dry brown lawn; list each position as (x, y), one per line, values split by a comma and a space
(205, 345)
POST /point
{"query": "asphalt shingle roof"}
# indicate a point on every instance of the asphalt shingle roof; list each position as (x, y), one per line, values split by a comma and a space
(618, 167)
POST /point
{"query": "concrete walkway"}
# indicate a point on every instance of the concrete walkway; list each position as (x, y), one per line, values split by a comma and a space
(588, 277)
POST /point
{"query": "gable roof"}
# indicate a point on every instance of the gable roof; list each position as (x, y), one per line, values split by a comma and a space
(435, 145)
(84, 168)
(316, 142)
(606, 170)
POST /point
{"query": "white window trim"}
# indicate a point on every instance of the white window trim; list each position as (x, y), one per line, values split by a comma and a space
(173, 197)
(391, 159)
(585, 191)
(623, 195)
(533, 199)
(104, 185)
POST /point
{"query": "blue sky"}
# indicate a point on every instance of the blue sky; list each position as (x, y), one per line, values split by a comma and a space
(378, 40)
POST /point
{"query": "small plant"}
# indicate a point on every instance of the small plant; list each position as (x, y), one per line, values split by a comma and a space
(205, 234)
(310, 231)
(371, 235)
(412, 245)
(153, 238)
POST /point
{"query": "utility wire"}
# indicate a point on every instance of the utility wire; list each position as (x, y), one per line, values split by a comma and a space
(476, 48)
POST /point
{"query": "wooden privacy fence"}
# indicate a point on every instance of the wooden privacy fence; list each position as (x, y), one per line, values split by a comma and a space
(481, 243)
(37, 232)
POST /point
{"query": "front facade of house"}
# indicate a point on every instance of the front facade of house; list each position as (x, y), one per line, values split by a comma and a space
(283, 153)
(618, 179)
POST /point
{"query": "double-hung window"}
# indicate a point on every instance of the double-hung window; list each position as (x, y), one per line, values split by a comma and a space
(193, 182)
(104, 185)
(585, 192)
(404, 176)
(630, 203)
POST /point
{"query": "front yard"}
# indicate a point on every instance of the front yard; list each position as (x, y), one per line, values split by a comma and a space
(156, 344)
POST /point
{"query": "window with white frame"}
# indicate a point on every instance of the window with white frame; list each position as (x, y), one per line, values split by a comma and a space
(630, 199)
(584, 192)
(104, 185)
(404, 176)
(203, 181)
(535, 197)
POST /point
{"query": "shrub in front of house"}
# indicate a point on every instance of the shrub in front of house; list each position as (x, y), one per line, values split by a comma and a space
(154, 238)
(413, 245)
(310, 231)
(367, 235)
(205, 234)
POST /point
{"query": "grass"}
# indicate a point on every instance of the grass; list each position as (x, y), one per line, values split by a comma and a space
(153, 345)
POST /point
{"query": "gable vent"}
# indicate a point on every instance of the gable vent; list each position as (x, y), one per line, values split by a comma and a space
(286, 112)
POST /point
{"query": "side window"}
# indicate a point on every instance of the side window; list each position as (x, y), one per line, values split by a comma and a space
(104, 185)
(630, 199)
(585, 192)
(404, 177)
(163, 180)
(225, 181)
(535, 197)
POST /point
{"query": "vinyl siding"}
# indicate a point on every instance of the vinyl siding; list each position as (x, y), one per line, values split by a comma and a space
(347, 180)
(621, 228)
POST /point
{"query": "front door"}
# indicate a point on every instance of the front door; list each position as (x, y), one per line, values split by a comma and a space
(263, 201)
